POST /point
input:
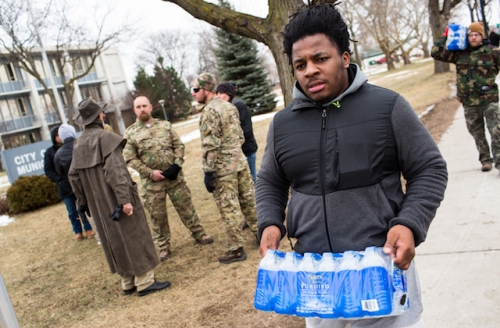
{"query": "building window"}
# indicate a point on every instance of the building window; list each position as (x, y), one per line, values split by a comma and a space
(94, 92)
(21, 106)
(10, 72)
(78, 65)
(20, 139)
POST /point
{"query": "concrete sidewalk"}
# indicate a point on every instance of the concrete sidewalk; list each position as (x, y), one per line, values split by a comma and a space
(459, 263)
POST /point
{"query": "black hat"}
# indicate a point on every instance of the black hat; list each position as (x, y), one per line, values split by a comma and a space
(227, 88)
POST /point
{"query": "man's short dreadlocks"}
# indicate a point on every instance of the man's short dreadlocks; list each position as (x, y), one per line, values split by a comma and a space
(324, 18)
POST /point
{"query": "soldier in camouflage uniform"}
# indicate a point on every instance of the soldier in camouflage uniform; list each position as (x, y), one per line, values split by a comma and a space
(477, 67)
(227, 175)
(155, 151)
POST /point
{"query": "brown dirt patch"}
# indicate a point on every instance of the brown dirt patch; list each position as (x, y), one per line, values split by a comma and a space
(440, 118)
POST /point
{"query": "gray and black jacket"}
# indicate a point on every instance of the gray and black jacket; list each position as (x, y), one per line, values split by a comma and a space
(343, 161)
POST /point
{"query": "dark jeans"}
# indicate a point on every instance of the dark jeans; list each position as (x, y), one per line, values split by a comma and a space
(70, 203)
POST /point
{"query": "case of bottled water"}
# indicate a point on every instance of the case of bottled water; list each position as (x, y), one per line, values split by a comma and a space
(332, 285)
(457, 37)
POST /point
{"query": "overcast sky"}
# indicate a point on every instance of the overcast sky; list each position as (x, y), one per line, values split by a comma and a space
(157, 15)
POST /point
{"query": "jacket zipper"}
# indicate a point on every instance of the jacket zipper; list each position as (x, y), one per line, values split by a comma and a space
(322, 174)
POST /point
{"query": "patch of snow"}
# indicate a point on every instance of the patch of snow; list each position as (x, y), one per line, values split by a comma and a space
(5, 220)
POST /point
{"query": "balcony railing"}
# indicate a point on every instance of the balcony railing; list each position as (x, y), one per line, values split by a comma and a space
(12, 86)
(57, 80)
(20, 123)
(92, 76)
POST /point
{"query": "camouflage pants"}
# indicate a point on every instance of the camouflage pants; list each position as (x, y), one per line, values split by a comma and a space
(156, 204)
(235, 198)
(474, 118)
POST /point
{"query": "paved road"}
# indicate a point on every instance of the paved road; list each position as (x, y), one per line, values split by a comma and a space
(459, 263)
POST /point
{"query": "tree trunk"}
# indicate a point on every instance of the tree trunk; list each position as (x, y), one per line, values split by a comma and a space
(406, 57)
(69, 92)
(265, 30)
(438, 20)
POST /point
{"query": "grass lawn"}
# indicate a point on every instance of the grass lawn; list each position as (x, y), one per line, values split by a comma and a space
(54, 281)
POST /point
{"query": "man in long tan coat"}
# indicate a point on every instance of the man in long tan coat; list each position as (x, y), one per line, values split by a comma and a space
(103, 187)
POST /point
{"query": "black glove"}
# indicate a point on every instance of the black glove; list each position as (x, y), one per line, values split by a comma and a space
(209, 181)
(171, 172)
(115, 215)
(83, 212)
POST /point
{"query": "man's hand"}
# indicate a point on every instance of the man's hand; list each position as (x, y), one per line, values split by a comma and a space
(83, 211)
(128, 209)
(157, 176)
(271, 237)
(209, 181)
(172, 172)
(400, 245)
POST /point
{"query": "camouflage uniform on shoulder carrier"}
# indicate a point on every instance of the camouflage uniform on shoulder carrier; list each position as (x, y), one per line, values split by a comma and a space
(477, 69)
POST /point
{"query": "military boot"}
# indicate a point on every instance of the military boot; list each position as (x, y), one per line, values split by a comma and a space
(233, 256)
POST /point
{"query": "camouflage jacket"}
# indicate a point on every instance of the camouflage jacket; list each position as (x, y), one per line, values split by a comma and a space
(221, 138)
(476, 71)
(153, 148)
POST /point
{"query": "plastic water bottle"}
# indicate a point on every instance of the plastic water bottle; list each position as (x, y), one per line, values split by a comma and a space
(266, 291)
(400, 301)
(312, 286)
(457, 37)
(349, 277)
(288, 287)
(327, 269)
(376, 297)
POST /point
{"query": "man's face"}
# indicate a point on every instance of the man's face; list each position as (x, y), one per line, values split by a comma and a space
(318, 67)
(475, 39)
(143, 109)
(223, 96)
(199, 94)
(58, 140)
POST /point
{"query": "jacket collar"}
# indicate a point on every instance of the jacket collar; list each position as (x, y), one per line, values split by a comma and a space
(301, 100)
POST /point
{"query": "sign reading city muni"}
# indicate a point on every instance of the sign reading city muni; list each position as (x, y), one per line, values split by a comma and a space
(25, 160)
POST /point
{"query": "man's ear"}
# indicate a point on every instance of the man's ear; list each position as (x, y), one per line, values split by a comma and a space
(346, 59)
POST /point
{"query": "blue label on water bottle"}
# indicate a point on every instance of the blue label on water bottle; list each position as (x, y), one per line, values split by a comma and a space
(266, 290)
(376, 296)
(287, 298)
(315, 294)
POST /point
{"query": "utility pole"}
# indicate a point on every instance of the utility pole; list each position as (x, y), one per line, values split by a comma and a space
(59, 104)
(485, 24)
(162, 103)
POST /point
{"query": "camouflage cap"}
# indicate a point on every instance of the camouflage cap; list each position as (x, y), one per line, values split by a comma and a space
(205, 81)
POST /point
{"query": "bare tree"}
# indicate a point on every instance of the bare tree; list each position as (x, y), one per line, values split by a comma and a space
(77, 45)
(266, 30)
(474, 7)
(410, 31)
(439, 15)
(175, 47)
(375, 15)
(354, 27)
(207, 60)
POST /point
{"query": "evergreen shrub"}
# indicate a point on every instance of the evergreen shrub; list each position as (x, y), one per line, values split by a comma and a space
(30, 193)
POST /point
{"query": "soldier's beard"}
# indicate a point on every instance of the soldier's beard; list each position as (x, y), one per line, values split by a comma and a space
(144, 117)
